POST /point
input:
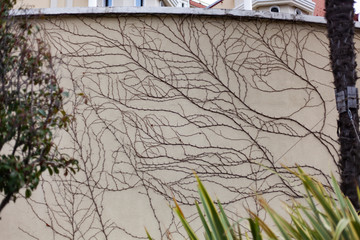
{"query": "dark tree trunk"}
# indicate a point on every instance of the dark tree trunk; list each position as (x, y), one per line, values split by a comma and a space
(340, 25)
(5, 201)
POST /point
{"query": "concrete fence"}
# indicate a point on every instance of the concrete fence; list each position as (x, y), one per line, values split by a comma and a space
(159, 94)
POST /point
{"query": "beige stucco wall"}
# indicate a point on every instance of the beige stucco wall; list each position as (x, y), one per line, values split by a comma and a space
(82, 3)
(47, 3)
(61, 3)
(33, 4)
(156, 97)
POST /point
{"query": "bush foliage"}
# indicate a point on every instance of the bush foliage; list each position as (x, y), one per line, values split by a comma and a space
(327, 214)
(31, 107)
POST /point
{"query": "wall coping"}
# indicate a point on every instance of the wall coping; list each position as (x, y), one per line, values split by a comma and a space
(170, 11)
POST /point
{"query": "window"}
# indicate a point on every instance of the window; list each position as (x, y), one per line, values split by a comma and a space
(182, 4)
(298, 11)
(275, 9)
(107, 3)
(162, 4)
(139, 3)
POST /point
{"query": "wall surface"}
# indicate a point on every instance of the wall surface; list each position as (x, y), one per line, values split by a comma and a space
(33, 4)
(81, 3)
(158, 96)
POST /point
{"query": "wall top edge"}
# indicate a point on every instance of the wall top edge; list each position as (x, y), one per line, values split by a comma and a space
(169, 11)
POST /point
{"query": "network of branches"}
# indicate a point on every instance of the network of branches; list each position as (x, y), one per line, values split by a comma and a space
(158, 97)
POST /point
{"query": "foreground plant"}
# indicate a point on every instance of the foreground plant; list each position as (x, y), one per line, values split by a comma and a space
(326, 215)
(31, 108)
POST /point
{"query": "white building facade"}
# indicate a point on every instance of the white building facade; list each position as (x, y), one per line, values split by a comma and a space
(298, 7)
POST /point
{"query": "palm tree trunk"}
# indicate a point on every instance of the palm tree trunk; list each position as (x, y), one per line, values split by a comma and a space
(340, 26)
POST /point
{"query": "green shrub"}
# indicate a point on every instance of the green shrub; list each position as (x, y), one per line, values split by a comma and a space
(31, 108)
(326, 215)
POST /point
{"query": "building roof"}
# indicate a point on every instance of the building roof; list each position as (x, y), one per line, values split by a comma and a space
(214, 3)
(196, 4)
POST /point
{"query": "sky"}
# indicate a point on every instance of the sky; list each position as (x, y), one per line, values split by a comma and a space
(357, 7)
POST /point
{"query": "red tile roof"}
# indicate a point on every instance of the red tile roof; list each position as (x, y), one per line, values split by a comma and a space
(196, 4)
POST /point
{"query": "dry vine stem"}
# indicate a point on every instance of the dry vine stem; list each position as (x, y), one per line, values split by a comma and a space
(156, 97)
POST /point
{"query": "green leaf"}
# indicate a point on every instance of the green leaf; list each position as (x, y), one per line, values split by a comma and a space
(185, 224)
(50, 171)
(27, 193)
(228, 228)
(343, 223)
(211, 213)
(42, 112)
(263, 225)
(255, 229)
(208, 233)
(148, 235)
